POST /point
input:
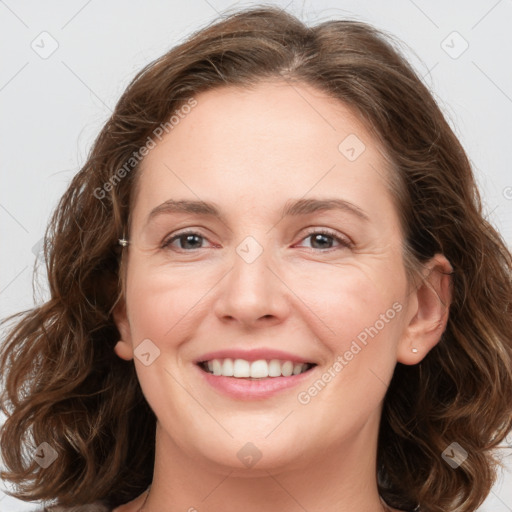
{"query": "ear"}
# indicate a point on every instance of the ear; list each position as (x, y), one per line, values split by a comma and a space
(428, 311)
(124, 347)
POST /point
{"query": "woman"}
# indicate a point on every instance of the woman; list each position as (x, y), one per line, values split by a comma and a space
(272, 288)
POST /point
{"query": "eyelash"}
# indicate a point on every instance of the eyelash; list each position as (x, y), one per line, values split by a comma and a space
(343, 241)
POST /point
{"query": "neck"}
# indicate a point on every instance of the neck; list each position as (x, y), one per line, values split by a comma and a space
(342, 479)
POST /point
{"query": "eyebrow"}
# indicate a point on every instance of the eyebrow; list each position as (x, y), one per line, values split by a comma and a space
(291, 208)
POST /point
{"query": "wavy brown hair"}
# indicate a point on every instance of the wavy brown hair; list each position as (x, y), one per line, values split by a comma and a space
(64, 385)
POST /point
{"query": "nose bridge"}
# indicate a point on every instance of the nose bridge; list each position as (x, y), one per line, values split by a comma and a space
(251, 290)
(251, 275)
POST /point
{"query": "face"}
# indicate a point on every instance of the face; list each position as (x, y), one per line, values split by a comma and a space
(293, 266)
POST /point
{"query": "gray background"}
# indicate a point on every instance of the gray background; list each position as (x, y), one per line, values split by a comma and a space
(53, 104)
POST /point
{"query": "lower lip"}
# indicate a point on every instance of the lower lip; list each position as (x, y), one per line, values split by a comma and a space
(246, 389)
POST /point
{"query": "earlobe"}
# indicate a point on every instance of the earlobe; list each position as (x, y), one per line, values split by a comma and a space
(431, 302)
(123, 347)
(124, 350)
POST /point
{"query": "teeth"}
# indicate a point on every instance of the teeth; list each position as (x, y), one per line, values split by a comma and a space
(228, 368)
(217, 369)
(287, 368)
(260, 369)
(241, 368)
(274, 368)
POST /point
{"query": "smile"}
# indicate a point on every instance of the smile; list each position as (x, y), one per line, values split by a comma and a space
(259, 369)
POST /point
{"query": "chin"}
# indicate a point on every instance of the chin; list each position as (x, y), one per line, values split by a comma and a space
(249, 458)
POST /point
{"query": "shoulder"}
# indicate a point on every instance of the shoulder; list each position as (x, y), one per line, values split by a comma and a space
(97, 506)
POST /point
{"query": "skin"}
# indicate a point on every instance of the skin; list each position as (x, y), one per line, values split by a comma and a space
(250, 151)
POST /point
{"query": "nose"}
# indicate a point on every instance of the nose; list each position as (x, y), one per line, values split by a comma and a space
(252, 294)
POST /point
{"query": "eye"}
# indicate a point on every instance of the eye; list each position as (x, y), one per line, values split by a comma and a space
(323, 239)
(187, 240)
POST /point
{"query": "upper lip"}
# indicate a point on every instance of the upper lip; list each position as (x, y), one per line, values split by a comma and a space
(253, 355)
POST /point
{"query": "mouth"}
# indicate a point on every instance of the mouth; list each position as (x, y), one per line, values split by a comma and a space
(254, 374)
(254, 370)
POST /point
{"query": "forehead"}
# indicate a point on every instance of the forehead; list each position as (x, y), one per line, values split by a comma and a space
(262, 142)
(275, 113)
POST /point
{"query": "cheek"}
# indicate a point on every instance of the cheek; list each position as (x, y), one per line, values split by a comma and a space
(348, 301)
(163, 306)
(336, 303)
(360, 324)
(162, 302)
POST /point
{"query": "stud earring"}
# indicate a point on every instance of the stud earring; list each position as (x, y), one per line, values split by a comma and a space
(415, 350)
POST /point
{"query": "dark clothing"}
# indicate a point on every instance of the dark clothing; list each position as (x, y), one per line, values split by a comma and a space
(97, 506)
